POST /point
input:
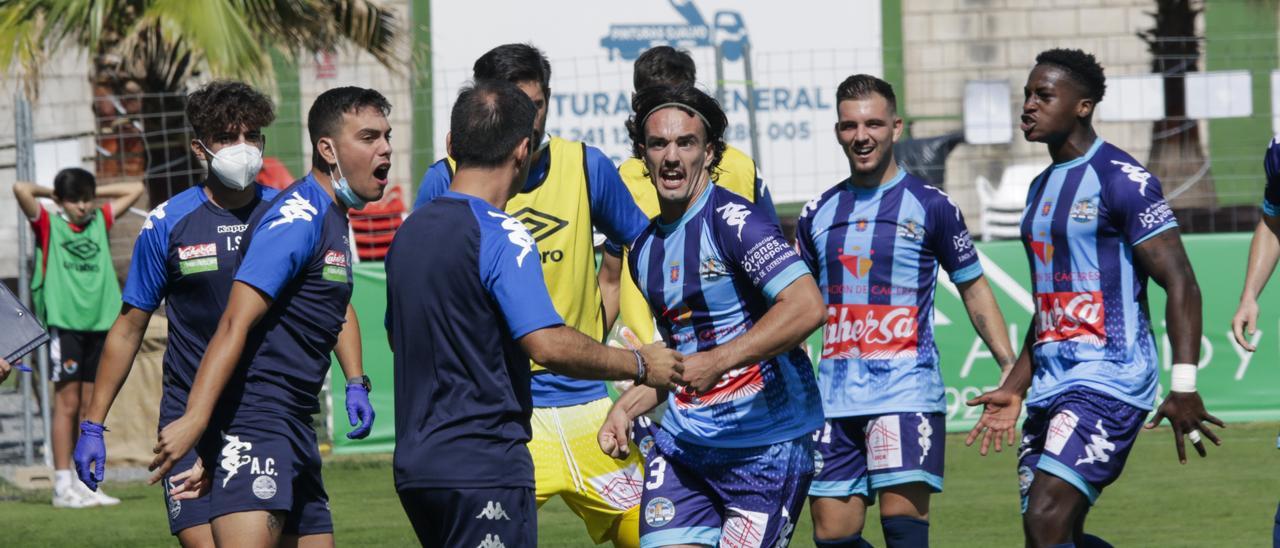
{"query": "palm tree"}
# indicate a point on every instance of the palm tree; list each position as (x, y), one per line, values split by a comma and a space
(144, 53)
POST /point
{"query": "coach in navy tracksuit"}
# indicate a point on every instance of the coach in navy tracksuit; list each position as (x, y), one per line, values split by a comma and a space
(467, 308)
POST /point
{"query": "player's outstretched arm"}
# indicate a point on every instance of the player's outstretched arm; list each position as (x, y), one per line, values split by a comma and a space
(123, 341)
(1000, 407)
(1264, 251)
(999, 418)
(351, 360)
(616, 429)
(568, 352)
(245, 307)
(797, 311)
(1164, 258)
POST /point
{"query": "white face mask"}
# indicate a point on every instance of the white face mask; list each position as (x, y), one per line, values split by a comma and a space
(235, 166)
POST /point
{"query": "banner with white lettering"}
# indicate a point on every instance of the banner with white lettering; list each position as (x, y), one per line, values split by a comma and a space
(779, 65)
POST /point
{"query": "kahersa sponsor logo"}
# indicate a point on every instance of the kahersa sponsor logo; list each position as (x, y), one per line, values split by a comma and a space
(335, 258)
(737, 383)
(197, 251)
(870, 332)
(1067, 315)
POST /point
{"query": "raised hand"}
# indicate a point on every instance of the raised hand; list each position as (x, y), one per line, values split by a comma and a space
(998, 422)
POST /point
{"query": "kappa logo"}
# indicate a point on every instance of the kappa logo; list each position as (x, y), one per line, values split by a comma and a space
(925, 430)
(517, 234)
(1098, 447)
(82, 249)
(541, 225)
(809, 207)
(491, 541)
(493, 510)
(734, 215)
(1136, 174)
(295, 208)
(232, 460)
(155, 215)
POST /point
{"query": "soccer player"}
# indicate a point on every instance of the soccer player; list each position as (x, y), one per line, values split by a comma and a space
(1095, 229)
(733, 458)
(874, 242)
(1264, 251)
(257, 385)
(465, 314)
(736, 172)
(76, 294)
(570, 187)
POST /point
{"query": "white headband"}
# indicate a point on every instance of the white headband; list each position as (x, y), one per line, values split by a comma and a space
(681, 106)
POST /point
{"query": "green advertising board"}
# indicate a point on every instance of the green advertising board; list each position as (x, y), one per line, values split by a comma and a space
(1236, 385)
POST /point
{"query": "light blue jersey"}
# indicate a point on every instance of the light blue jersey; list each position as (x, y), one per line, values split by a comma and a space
(708, 278)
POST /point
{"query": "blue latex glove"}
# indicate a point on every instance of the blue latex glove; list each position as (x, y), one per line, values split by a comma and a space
(358, 411)
(91, 454)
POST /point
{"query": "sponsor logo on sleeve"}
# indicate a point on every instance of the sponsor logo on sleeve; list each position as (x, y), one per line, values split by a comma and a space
(295, 208)
(517, 234)
(870, 332)
(197, 258)
(884, 443)
(765, 256)
(1155, 215)
(1070, 315)
(1061, 427)
(335, 266)
(734, 215)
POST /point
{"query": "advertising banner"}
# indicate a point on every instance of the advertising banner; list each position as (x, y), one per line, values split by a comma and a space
(774, 66)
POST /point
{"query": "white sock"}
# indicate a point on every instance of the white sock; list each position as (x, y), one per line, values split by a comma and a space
(61, 481)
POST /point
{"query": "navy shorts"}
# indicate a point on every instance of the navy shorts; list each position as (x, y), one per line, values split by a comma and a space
(74, 355)
(500, 516)
(184, 514)
(861, 455)
(271, 463)
(1082, 436)
(717, 496)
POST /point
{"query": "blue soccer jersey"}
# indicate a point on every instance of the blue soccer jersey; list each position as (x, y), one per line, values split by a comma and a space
(708, 278)
(1082, 220)
(613, 212)
(456, 307)
(875, 254)
(1271, 164)
(186, 256)
(298, 254)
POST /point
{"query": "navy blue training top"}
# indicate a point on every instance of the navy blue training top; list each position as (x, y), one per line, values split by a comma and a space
(464, 283)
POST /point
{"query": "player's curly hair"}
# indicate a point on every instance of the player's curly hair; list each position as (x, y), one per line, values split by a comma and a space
(1082, 67)
(224, 104)
(690, 99)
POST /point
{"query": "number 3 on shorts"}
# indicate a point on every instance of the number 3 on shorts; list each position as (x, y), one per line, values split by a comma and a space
(657, 471)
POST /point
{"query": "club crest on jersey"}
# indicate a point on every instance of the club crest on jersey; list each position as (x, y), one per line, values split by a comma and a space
(713, 269)
(1046, 208)
(856, 265)
(675, 272)
(861, 225)
(911, 230)
(197, 258)
(294, 208)
(870, 331)
(1084, 211)
(660, 511)
(1065, 315)
(335, 266)
(734, 215)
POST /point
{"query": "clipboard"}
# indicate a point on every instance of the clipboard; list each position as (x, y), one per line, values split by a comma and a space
(20, 331)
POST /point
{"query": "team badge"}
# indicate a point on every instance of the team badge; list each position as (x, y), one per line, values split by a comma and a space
(861, 225)
(911, 230)
(1045, 208)
(1025, 475)
(660, 511)
(645, 445)
(1084, 211)
(712, 269)
(675, 273)
(264, 487)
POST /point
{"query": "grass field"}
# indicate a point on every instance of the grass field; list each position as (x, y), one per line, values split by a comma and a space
(1228, 499)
